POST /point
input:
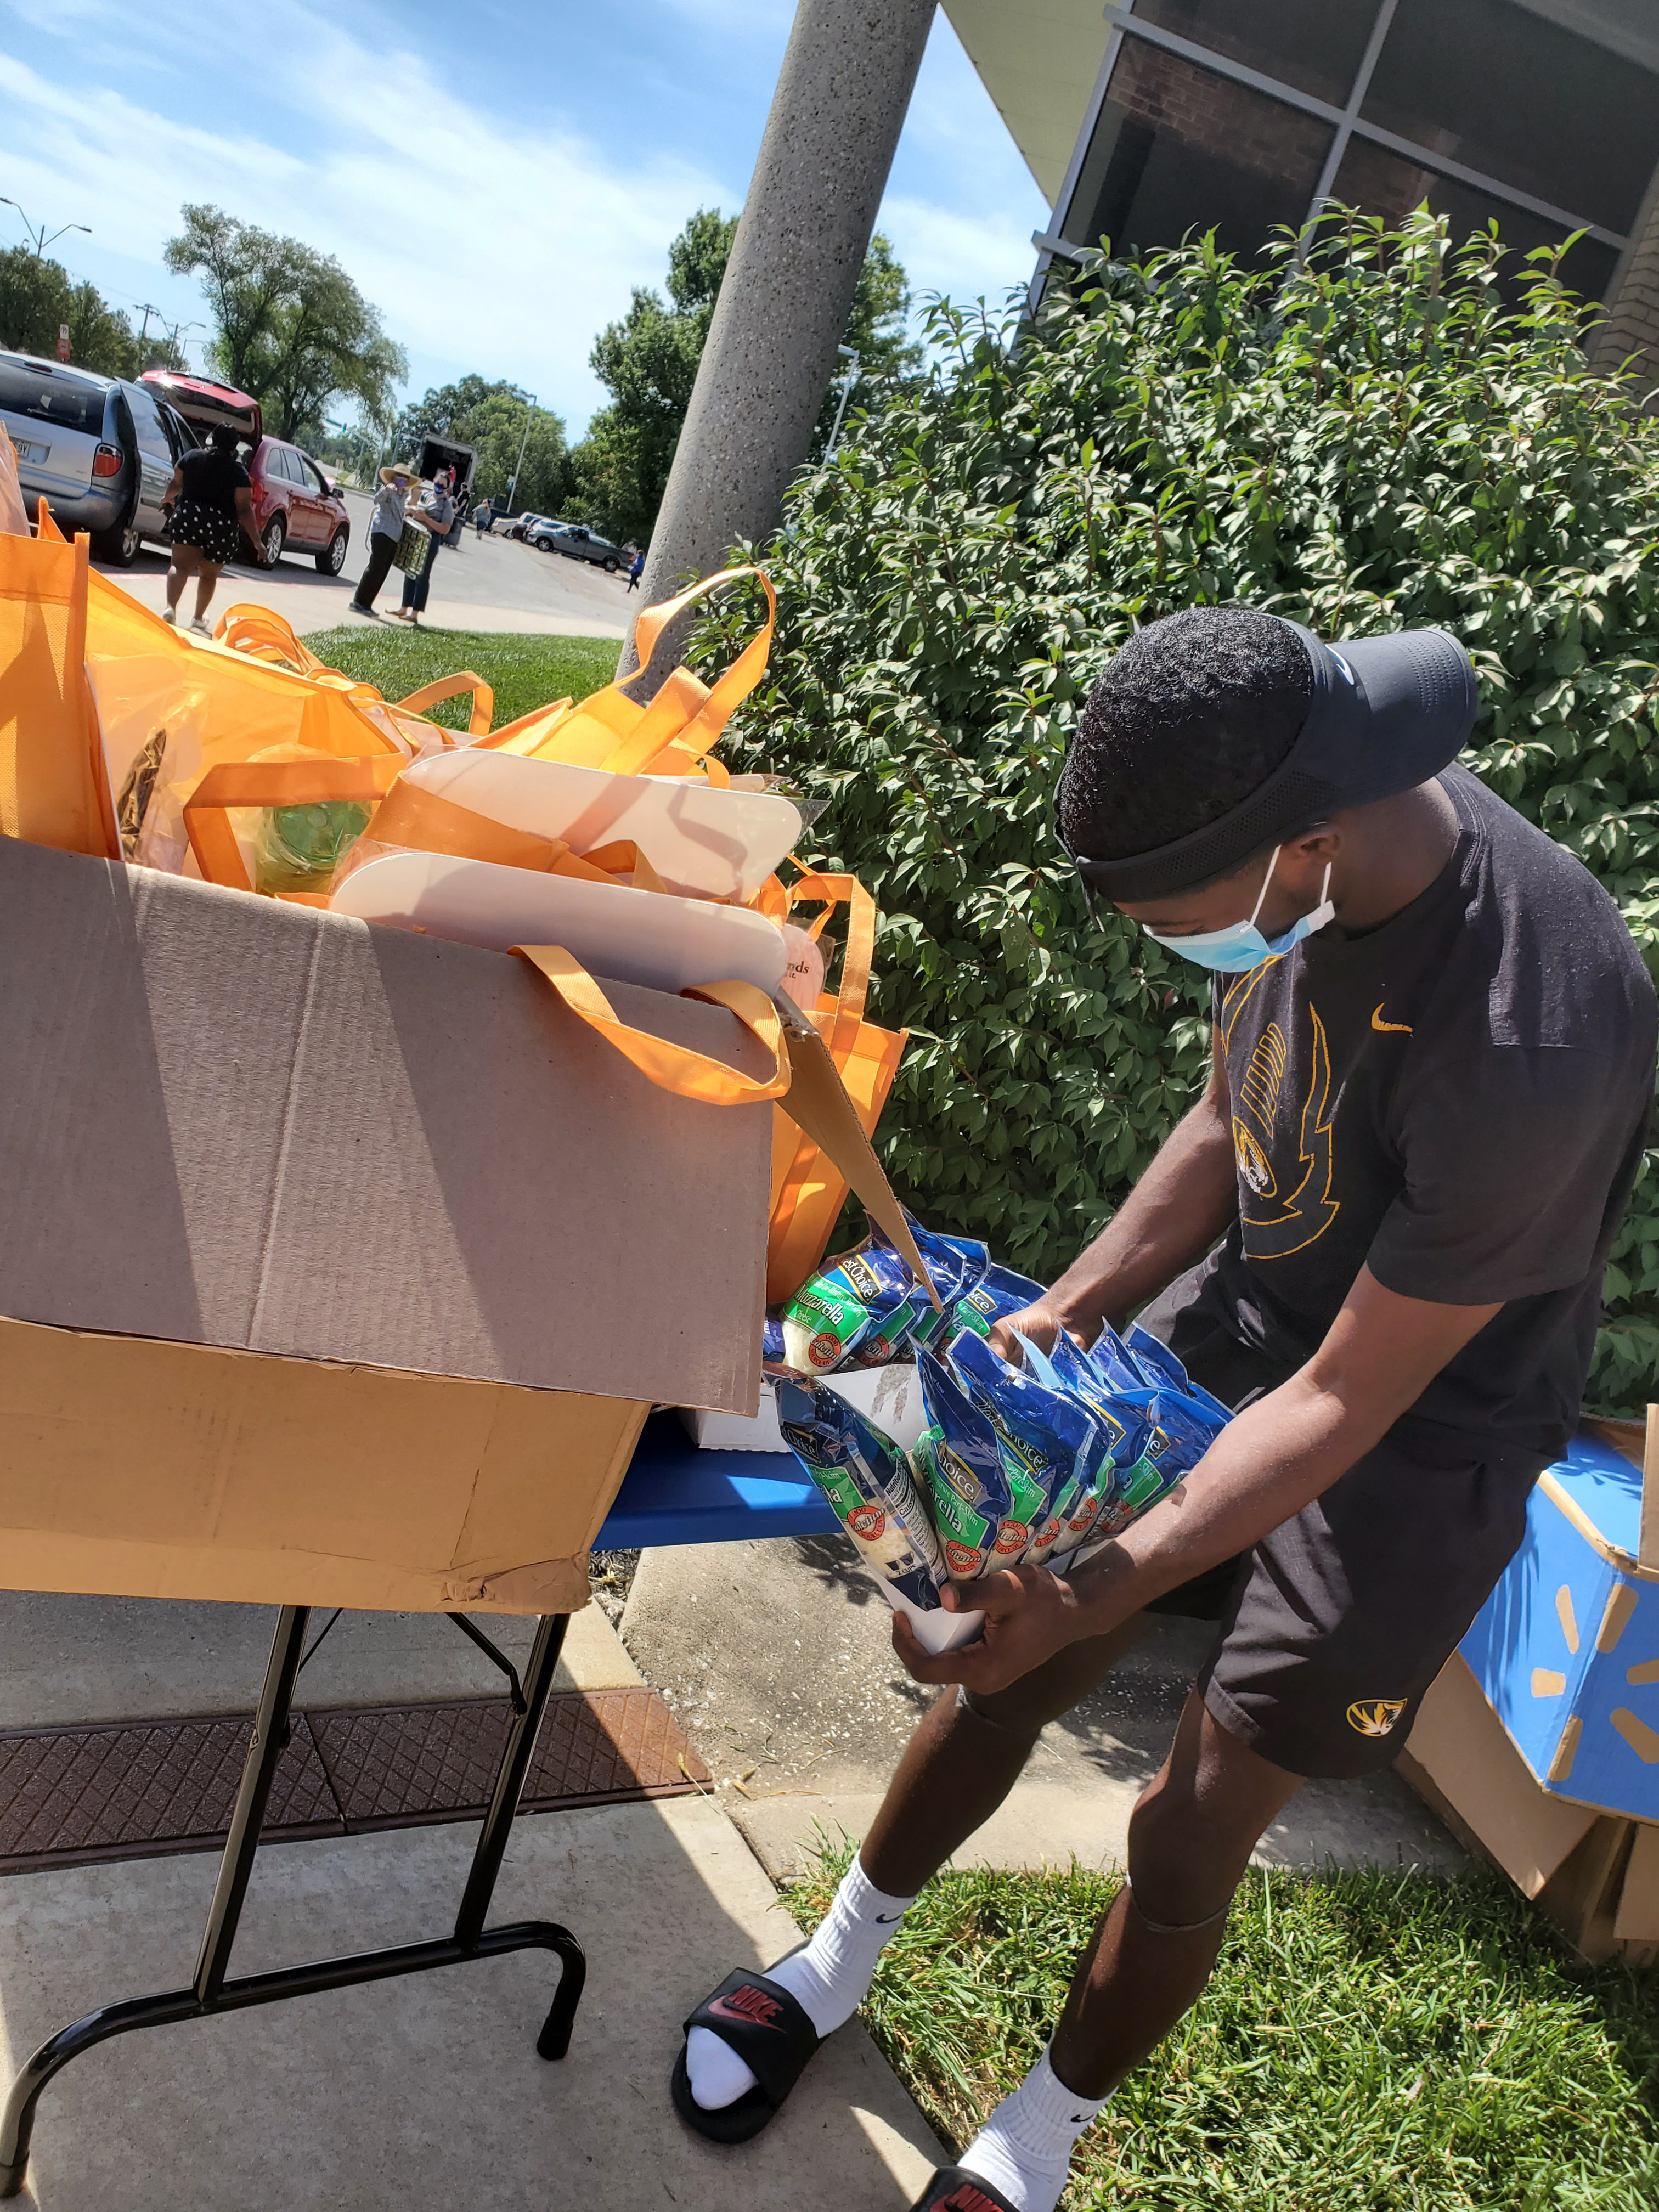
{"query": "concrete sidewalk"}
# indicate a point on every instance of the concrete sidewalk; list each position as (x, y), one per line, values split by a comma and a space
(403, 2092)
(777, 1657)
(429, 2091)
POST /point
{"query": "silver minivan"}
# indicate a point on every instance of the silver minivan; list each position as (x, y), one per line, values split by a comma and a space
(102, 451)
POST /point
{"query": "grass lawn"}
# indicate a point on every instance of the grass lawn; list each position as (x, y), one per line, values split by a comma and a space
(525, 670)
(1370, 2042)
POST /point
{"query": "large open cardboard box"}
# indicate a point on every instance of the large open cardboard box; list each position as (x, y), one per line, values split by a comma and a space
(1538, 1742)
(340, 1266)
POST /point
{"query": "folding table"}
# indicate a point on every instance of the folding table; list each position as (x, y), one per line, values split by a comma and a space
(671, 1494)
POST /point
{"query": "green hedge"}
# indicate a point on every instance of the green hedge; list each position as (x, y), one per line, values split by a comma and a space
(1369, 442)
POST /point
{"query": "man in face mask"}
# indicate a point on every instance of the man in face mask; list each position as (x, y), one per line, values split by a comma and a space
(1380, 1236)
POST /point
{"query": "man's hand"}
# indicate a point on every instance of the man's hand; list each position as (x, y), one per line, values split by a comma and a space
(1042, 1321)
(1030, 1615)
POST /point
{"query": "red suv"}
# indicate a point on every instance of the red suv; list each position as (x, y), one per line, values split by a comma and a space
(296, 508)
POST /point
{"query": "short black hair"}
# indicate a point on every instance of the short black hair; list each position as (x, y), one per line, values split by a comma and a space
(1189, 717)
(225, 439)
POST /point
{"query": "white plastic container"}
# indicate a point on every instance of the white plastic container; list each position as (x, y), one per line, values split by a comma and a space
(632, 937)
(737, 1431)
(717, 843)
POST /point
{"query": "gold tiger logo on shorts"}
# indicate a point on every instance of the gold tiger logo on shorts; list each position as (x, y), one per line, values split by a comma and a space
(1375, 1716)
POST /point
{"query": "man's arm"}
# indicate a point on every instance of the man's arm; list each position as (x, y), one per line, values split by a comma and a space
(1381, 1353)
(1170, 1218)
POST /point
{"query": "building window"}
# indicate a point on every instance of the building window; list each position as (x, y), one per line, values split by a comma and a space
(1383, 183)
(1316, 46)
(1179, 148)
(1492, 84)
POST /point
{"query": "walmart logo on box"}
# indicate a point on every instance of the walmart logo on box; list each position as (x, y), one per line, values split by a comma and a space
(1566, 1647)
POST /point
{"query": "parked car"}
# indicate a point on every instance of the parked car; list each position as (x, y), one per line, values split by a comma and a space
(522, 524)
(296, 508)
(207, 405)
(577, 543)
(102, 451)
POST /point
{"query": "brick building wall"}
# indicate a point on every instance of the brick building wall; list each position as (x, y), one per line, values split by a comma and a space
(1632, 324)
(1213, 113)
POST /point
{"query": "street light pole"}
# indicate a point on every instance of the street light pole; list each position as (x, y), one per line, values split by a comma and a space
(513, 481)
(38, 240)
(847, 382)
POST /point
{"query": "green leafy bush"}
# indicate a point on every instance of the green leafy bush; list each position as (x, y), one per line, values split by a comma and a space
(1372, 442)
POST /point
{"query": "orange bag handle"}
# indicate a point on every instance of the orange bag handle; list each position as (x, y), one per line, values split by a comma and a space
(658, 729)
(447, 687)
(263, 634)
(673, 1067)
(857, 955)
(271, 783)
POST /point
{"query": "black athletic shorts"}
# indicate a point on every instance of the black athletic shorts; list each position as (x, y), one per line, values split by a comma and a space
(1332, 1628)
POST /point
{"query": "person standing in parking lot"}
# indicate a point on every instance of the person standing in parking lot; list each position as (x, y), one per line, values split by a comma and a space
(636, 569)
(385, 533)
(435, 514)
(209, 504)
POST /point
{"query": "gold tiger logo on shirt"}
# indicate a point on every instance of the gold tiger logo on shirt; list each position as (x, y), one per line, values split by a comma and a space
(1375, 1716)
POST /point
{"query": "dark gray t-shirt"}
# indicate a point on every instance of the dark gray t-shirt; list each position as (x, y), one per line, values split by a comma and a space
(1458, 1099)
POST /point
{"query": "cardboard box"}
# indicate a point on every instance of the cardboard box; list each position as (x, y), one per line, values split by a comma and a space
(1566, 1649)
(337, 1265)
(1595, 1873)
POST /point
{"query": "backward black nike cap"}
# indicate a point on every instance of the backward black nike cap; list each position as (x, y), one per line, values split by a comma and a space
(1384, 714)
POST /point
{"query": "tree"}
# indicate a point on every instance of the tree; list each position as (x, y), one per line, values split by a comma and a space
(38, 297)
(1368, 443)
(291, 328)
(648, 363)
(491, 417)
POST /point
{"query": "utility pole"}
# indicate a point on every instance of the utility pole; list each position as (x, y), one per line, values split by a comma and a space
(38, 240)
(513, 481)
(836, 119)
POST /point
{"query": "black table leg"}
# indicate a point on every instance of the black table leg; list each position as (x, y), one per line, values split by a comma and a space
(211, 1992)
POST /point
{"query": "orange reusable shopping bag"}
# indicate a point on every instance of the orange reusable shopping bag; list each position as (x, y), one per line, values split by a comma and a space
(53, 789)
(808, 1185)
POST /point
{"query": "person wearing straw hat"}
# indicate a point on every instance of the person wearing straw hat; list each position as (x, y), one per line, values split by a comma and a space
(385, 534)
(435, 514)
(1378, 1236)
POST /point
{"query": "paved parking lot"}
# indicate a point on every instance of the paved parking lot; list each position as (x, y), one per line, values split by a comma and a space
(489, 583)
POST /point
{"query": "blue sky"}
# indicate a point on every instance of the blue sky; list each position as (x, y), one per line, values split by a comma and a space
(496, 177)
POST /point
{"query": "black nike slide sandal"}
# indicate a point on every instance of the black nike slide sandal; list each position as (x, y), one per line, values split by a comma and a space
(953, 2189)
(770, 2031)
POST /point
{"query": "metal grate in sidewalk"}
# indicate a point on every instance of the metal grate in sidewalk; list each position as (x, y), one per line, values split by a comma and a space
(68, 1796)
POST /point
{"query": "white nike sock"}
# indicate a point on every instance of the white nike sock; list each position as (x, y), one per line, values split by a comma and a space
(1025, 2148)
(828, 1980)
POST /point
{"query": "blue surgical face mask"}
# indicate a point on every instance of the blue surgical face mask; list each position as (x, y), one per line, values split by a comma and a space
(1241, 946)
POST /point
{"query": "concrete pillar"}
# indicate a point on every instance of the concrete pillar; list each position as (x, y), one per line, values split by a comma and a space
(836, 119)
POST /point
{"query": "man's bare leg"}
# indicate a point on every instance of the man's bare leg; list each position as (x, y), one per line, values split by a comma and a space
(959, 1765)
(1190, 1839)
(965, 1758)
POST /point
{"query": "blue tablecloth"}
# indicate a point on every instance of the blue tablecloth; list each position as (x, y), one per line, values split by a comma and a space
(673, 1493)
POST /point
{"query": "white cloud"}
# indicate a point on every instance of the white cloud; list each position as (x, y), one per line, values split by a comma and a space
(503, 254)
(964, 255)
(497, 250)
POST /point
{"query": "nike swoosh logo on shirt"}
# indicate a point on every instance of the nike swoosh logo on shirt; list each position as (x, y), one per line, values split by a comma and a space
(1398, 1028)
